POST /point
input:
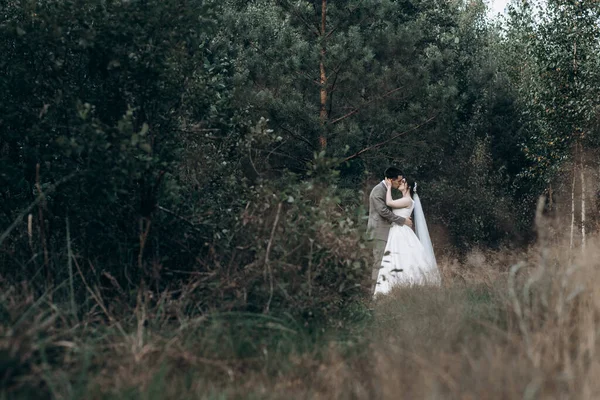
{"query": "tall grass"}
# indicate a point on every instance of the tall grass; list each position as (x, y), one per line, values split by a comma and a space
(505, 325)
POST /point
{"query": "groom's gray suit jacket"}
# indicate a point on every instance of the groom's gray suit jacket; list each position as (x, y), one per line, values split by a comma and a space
(381, 216)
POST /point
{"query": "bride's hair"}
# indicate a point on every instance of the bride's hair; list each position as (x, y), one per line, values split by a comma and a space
(411, 185)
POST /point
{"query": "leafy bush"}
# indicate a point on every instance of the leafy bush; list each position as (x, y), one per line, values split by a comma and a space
(308, 251)
(118, 130)
(94, 98)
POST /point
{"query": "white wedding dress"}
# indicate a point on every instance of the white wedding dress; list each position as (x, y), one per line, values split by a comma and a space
(405, 261)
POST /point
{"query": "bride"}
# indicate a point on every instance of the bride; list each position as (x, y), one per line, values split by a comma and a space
(408, 258)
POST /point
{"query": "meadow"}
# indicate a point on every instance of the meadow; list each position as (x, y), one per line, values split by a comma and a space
(504, 325)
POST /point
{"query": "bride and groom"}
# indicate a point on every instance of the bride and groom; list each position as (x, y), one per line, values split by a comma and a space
(401, 257)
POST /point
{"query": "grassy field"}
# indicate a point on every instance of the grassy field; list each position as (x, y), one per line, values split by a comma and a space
(504, 326)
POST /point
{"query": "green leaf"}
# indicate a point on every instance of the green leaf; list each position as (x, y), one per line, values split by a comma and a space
(144, 130)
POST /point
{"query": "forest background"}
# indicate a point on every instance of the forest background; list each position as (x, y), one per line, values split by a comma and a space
(184, 186)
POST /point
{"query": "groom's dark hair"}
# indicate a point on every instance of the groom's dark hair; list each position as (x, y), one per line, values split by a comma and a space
(393, 173)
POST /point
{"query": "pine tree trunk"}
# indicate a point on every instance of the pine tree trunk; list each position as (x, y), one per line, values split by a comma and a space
(323, 75)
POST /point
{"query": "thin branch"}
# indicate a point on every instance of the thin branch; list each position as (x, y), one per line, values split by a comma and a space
(302, 161)
(268, 267)
(304, 21)
(375, 146)
(273, 151)
(360, 108)
(330, 32)
(252, 162)
(302, 74)
(348, 115)
(26, 211)
(174, 214)
(347, 18)
(336, 72)
(298, 136)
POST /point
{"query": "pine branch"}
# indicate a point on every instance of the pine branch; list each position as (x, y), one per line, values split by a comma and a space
(299, 73)
(298, 136)
(348, 18)
(360, 108)
(301, 18)
(375, 146)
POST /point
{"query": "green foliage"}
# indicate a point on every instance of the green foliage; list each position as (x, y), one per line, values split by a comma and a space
(390, 66)
(230, 143)
(95, 89)
(491, 217)
(557, 77)
(206, 162)
(165, 178)
(297, 251)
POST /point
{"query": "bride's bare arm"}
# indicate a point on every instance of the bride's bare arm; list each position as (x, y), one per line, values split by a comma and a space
(386, 213)
(400, 203)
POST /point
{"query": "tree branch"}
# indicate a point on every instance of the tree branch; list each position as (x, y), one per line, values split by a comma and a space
(375, 146)
(41, 196)
(174, 214)
(298, 136)
(331, 90)
(302, 74)
(358, 109)
(301, 18)
(267, 264)
(347, 18)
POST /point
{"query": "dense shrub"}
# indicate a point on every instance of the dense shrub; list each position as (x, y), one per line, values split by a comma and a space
(117, 129)
(93, 92)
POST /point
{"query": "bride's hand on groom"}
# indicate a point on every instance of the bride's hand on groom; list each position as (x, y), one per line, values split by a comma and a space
(388, 183)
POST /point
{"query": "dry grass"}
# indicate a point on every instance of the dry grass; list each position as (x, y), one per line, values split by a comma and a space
(504, 326)
(528, 332)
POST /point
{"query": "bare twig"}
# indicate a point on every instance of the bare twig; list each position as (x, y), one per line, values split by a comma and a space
(375, 146)
(336, 73)
(284, 155)
(298, 136)
(268, 268)
(361, 107)
(252, 162)
(191, 224)
(26, 211)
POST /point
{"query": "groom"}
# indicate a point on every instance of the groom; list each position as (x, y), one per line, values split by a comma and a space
(381, 218)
